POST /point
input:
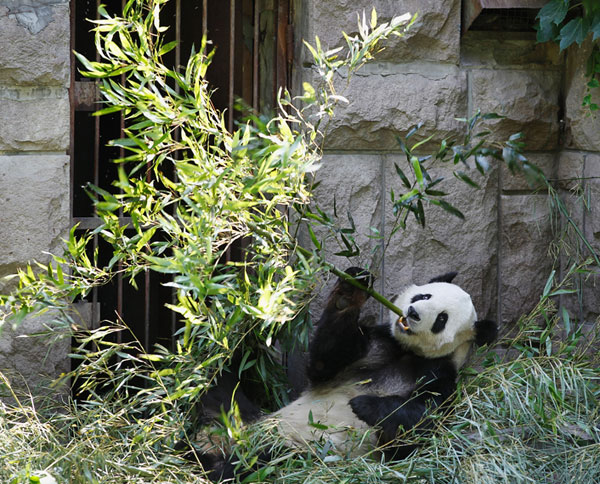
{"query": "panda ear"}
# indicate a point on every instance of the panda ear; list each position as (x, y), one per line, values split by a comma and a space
(486, 332)
(448, 277)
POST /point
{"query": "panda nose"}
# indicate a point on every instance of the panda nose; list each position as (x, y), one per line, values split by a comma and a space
(413, 314)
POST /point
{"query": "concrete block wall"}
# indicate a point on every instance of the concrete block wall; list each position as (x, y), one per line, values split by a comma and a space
(432, 76)
(34, 166)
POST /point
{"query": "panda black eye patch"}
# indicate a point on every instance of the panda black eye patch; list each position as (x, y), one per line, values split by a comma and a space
(440, 323)
(420, 297)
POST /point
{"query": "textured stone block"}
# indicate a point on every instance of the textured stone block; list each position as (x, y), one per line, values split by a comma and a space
(583, 129)
(34, 119)
(35, 42)
(34, 196)
(592, 185)
(34, 354)
(385, 103)
(527, 99)
(580, 194)
(591, 302)
(584, 305)
(570, 169)
(434, 37)
(353, 183)
(508, 49)
(447, 243)
(517, 182)
(525, 262)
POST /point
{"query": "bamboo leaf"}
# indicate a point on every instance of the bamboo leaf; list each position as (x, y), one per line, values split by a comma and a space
(465, 178)
(402, 176)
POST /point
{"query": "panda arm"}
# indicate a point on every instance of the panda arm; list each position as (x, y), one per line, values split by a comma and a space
(338, 340)
(390, 412)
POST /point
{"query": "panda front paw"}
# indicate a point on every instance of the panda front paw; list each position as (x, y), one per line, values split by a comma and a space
(365, 408)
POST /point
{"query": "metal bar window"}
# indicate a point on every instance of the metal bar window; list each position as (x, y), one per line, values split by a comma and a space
(251, 38)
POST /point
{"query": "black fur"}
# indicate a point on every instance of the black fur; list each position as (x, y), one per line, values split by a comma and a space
(337, 332)
(435, 376)
(440, 323)
(340, 352)
(448, 277)
(486, 332)
(420, 297)
(394, 412)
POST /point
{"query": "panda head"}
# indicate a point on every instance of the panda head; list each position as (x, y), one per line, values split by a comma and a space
(439, 320)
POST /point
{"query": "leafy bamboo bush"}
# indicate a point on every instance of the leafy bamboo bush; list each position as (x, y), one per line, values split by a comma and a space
(531, 416)
(191, 189)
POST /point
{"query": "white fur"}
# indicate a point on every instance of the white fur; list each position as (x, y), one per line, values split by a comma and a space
(328, 407)
(459, 330)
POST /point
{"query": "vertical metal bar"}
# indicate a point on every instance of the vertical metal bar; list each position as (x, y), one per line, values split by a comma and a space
(205, 17)
(178, 39)
(120, 285)
(147, 310)
(274, 77)
(231, 63)
(97, 129)
(177, 89)
(96, 169)
(281, 48)
(72, 114)
(255, 58)
(96, 178)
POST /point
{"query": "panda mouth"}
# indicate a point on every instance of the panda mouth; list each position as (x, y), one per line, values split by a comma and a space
(403, 324)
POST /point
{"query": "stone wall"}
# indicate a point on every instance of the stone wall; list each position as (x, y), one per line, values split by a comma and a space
(432, 76)
(34, 165)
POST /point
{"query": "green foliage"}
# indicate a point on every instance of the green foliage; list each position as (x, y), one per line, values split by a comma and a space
(528, 416)
(554, 24)
(190, 190)
(474, 154)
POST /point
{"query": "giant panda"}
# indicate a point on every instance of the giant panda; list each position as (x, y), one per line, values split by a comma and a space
(381, 378)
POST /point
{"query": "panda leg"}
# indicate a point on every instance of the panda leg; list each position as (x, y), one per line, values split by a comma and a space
(394, 411)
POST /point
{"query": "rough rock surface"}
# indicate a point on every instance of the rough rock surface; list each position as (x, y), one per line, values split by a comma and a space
(547, 162)
(508, 50)
(592, 183)
(448, 243)
(34, 355)
(354, 183)
(591, 285)
(35, 43)
(36, 119)
(525, 262)
(527, 99)
(434, 36)
(583, 129)
(34, 196)
(385, 102)
(570, 169)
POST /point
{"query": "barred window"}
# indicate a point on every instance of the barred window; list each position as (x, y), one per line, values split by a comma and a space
(251, 62)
